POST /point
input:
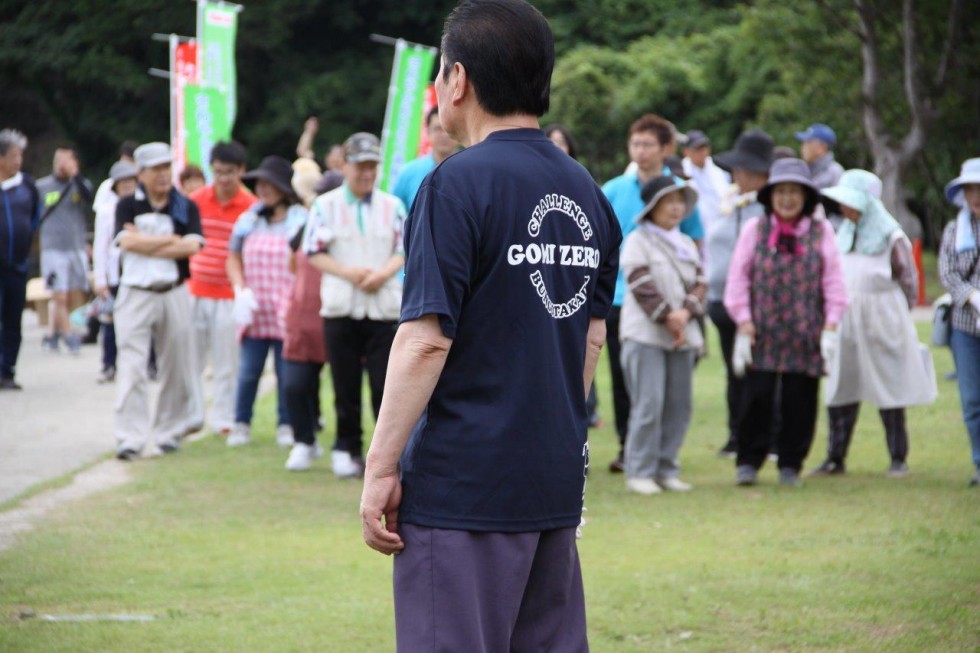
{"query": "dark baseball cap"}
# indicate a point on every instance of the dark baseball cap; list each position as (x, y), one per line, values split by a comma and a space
(820, 132)
(362, 146)
(697, 138)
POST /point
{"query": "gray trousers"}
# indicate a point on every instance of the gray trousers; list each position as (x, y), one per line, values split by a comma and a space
(659, 385)
(142, 315)
(215, 340)
(462, 591)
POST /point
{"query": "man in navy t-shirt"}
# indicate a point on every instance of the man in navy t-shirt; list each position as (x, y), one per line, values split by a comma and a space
(476, 472)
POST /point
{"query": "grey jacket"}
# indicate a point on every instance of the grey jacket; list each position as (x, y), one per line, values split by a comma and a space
(721, 239)
(65, 223)
(826, 171)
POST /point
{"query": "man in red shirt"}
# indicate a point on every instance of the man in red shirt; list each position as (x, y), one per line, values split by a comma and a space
(213, 297)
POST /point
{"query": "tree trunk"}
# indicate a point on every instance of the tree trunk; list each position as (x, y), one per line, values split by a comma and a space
(891, 158)
(891, 170)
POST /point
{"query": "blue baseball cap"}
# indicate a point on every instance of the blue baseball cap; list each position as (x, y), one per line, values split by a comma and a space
(819, 132)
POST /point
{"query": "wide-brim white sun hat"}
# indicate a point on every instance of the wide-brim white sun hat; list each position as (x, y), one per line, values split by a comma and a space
(969, 174)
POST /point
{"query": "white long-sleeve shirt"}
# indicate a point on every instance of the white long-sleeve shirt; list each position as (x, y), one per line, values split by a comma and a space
(105, 255)
(711, 182)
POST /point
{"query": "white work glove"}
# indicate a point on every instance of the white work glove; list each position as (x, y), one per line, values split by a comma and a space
(742, 355)
(245, 307)
(828, 348)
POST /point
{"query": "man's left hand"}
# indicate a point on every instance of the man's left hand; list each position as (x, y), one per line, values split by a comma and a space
(380, 499)
(372, 282)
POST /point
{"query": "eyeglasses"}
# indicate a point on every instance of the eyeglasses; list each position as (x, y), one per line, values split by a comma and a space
(225, 172)
(644, 144)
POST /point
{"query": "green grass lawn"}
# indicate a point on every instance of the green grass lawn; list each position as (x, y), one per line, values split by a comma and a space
(930, 266)
(231, 553)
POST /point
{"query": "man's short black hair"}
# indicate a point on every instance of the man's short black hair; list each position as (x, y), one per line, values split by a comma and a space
(127, 148)
(654, 124)
(508, 51)
(231, 152)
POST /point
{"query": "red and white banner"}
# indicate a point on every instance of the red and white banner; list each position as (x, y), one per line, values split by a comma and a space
(425, 145)
(183, 71)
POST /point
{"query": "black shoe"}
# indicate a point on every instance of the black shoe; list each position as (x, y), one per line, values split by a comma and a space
(898, 469)
(975, 480)
(127, 454)
(9, 384)
(728, 451)
(617, 466)
(192, 429)
(168, 447)
(828, 468)
(746, 475)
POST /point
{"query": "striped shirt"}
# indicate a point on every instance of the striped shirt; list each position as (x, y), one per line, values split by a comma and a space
(956, 276)
(208, 275)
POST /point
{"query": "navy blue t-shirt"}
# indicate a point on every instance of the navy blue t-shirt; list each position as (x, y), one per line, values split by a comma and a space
(514, 247)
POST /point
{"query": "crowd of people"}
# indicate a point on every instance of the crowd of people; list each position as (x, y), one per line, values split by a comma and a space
(796, 263)
(481, 352)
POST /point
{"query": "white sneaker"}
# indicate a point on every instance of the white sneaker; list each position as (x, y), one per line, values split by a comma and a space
(284, 435)
(643, 486)
(301, 457)
(239, 435)
(344, 465)
(675, 485)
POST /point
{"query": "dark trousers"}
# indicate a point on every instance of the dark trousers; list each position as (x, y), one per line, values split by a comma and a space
(621, 397)
(842, 420)
(301, 388)
(108, 345)
(354, 345)
(797, 413)
(488, 592)
(592, 404)
(727, 330)
(13, 295)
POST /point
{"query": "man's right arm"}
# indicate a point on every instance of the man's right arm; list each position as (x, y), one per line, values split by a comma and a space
(329, 265)
(130, 240)
(594, 341)
(418, 355)
(317, 238)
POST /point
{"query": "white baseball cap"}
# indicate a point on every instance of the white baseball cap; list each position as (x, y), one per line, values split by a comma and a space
(148, 155)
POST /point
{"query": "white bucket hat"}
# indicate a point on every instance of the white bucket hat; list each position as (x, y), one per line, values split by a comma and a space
(149, 155)
(969, 174)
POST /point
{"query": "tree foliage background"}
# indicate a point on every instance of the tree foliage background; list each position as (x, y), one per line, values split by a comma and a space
(77, 71)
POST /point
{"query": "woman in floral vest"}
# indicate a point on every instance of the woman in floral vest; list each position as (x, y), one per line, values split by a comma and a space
(786, 294)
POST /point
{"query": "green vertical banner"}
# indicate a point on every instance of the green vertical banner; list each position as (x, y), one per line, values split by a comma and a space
(402, 131)
(206, 122)
(217, 24)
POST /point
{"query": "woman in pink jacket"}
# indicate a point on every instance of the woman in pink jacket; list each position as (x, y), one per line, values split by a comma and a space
(786, 293)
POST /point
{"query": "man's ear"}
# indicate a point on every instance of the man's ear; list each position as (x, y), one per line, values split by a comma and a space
(459, 82)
